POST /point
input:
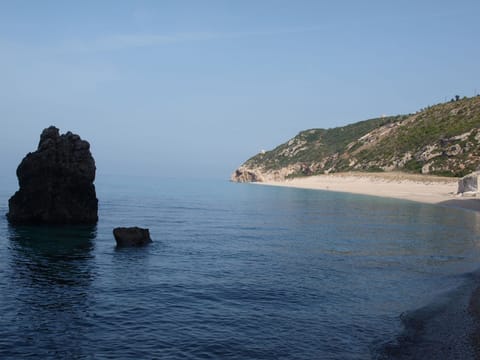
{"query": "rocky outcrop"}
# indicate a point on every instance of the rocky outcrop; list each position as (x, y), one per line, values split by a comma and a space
(56, 183)
(131, 236)
(243, 174)
(259, 174)
(468, 184)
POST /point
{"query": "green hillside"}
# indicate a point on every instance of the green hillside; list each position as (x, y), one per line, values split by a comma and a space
(443, 139)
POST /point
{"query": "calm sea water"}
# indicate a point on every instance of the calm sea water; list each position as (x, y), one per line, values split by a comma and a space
(235, 272)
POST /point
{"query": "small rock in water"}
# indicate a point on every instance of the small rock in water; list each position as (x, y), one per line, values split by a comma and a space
(131, 236)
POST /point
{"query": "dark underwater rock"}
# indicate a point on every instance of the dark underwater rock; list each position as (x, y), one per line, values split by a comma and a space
(131, 236)
(56, 183)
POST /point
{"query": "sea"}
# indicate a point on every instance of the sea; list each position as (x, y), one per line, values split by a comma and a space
(240, 271)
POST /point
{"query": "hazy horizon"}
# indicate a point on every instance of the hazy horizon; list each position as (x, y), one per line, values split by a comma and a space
(193, 89)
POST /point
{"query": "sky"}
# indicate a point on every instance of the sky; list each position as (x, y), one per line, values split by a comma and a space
(194, 88)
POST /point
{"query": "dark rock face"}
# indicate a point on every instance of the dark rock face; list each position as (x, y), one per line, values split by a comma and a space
(56, 183)
(131, 236)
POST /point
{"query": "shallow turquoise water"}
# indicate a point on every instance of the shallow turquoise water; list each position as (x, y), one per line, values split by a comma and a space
(236, 271)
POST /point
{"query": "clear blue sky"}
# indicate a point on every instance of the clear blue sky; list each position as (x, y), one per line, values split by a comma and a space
(194, 88)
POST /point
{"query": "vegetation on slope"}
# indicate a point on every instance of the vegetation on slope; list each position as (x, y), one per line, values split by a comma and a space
(443, 139)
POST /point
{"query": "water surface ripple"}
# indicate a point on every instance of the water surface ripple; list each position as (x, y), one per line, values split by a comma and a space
(234, 272)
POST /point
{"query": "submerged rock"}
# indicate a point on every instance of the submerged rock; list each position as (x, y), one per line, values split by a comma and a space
(56, 183)
(131, 236)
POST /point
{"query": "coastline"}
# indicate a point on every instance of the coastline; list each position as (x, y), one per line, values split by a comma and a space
(447, 328)
(461, 337)
(414, 187)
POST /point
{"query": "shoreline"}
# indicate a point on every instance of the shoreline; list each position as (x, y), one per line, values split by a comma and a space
(414, 187)
(452, 322)
(446, 328)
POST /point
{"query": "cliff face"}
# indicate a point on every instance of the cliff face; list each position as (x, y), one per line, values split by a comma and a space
(441, 140)
(56, 183)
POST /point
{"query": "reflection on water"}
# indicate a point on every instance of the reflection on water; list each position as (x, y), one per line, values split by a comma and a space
(52, 255)
(45, 261)
(235, 272)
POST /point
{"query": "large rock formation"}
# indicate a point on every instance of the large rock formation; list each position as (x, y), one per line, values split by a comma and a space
(56, 183)
(131, 236)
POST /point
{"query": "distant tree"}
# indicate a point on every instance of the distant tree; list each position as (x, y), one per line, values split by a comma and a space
(457, 97)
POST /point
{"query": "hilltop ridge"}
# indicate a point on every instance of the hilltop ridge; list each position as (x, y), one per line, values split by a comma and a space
(442, 139)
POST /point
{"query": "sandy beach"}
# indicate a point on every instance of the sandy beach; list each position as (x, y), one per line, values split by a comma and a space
(420, 188)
